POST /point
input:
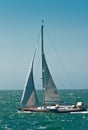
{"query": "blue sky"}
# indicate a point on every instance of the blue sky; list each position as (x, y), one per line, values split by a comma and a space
(66, 23)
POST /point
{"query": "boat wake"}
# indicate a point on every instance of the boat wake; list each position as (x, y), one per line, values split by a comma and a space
(82, 112)
(25, 112)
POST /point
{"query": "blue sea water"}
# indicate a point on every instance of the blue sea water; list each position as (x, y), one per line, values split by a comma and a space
(12, 119)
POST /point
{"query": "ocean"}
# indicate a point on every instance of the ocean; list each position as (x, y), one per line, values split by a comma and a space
(12, 119)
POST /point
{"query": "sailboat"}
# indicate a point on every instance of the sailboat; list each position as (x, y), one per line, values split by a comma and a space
(51, 98)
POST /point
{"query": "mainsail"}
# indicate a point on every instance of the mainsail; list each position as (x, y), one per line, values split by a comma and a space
(29, 97)
(50, 91)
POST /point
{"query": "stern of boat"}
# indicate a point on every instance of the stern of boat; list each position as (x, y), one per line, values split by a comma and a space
(82, 106)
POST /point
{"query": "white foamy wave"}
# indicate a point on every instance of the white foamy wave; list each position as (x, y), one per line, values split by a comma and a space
(83, 112)
(24, 112)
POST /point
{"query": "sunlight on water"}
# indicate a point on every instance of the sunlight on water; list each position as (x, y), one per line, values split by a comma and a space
(12, 119)
(24, 112)
(84, 112)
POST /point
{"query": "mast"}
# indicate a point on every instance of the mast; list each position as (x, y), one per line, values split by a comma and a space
(42, 47)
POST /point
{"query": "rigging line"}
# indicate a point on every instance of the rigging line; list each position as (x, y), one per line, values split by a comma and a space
(37, 42)
(60, 81)
(60, 61)
(75, 95)
(35, 49)
(65, 72)
(39, 36)
(38, 59)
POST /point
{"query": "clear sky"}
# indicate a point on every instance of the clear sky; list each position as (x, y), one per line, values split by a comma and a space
(66, 22)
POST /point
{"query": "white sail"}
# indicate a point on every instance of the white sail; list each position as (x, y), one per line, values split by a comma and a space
(29, 97)
(51, 92)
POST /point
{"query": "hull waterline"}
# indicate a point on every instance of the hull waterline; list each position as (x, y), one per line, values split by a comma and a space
(56, 110)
